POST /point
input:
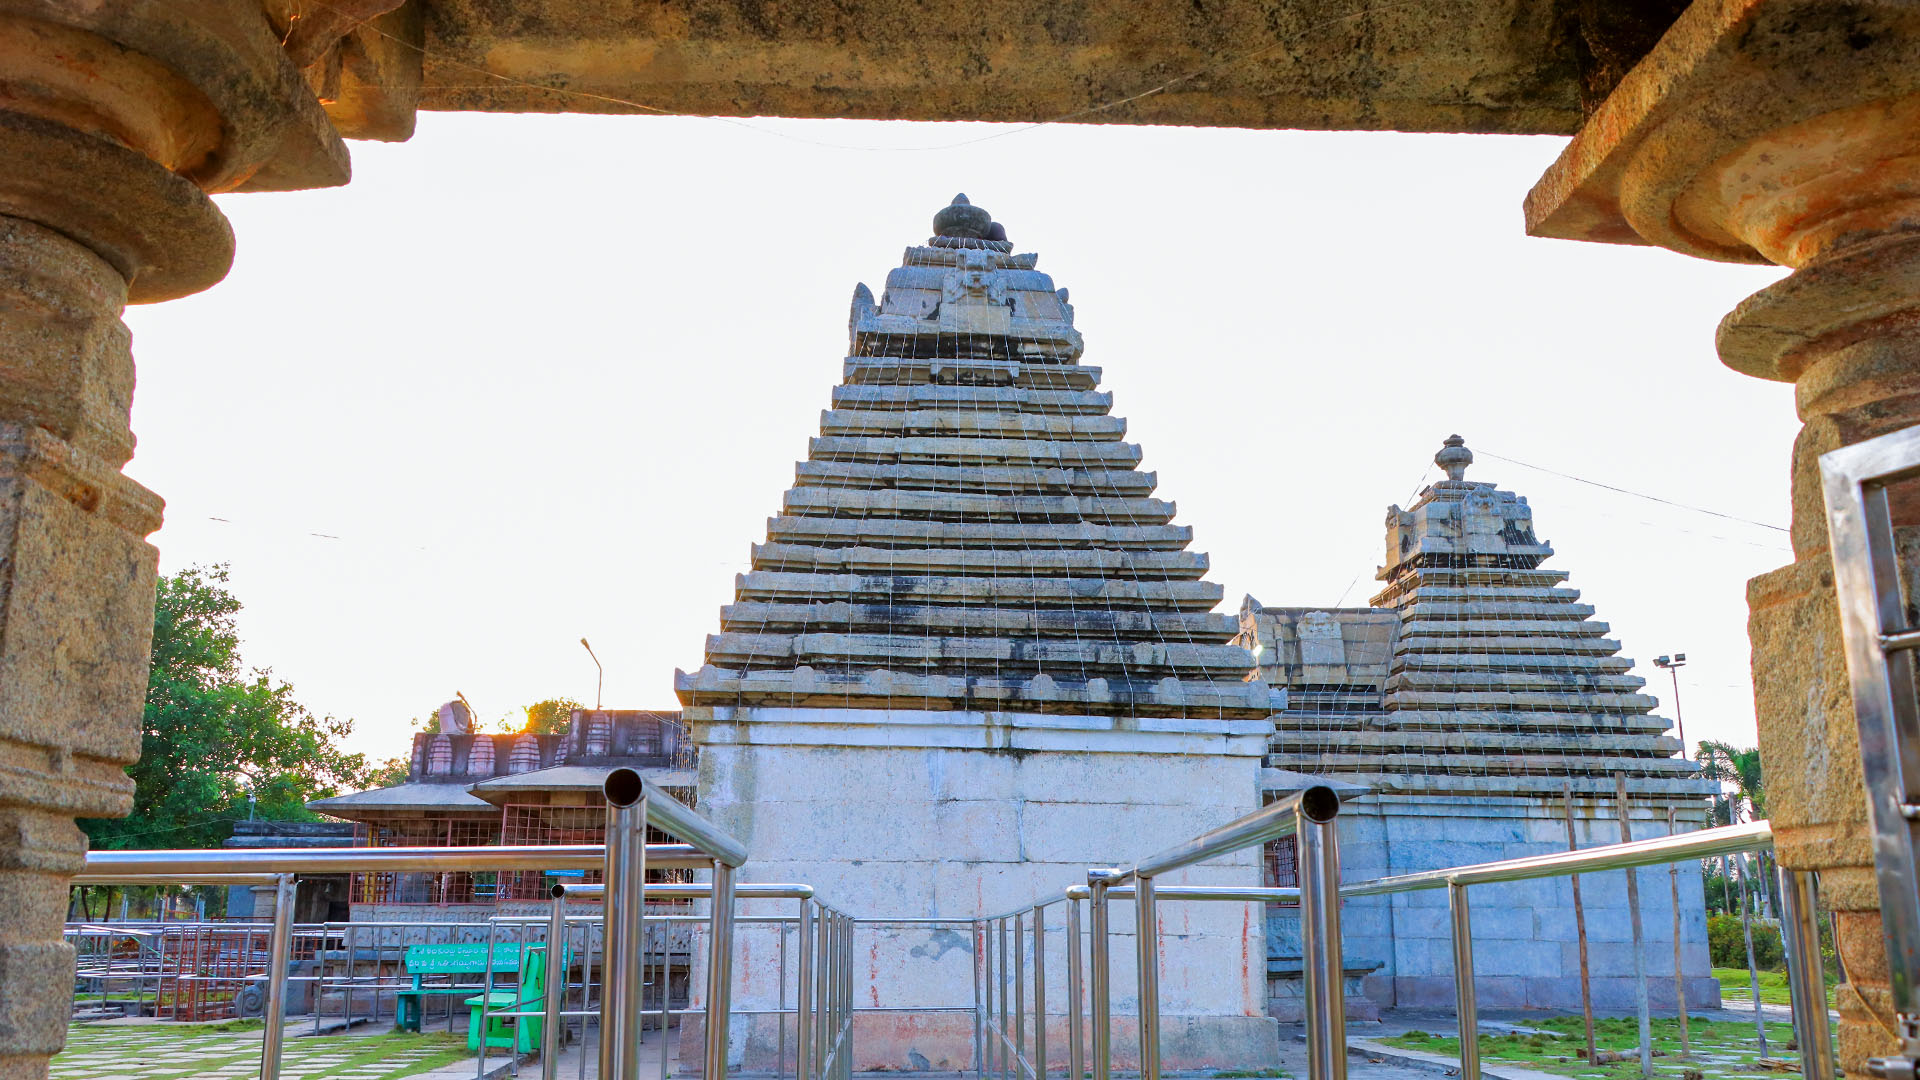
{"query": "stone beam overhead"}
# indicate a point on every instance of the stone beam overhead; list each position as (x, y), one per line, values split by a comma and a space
(970, 556)
(1479, 65)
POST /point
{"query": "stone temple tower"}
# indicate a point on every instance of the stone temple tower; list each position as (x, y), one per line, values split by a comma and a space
(974, 657)
(1479, 703)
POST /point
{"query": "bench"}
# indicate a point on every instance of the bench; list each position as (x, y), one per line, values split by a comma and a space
(471, 958)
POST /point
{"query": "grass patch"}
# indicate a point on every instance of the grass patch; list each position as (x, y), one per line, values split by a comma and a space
(1719, 1047)
(1734, 982)
(405, 1053)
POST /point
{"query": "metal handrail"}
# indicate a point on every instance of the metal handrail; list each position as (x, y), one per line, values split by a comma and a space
(103, 866)
(1722, 840)
(670, 815)
(1318, 804)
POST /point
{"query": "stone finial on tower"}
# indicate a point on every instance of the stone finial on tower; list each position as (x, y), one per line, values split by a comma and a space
(1454, 457)
(964, 220)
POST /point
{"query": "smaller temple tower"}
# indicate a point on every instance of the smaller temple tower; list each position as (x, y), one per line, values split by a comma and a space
(1480, 704)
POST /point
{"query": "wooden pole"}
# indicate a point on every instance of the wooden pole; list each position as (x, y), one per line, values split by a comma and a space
(1679, 976)
(1639, 939)
(1580, 931)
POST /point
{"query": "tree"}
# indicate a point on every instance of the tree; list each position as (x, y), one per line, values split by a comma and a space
(550, 717)
(220, 742)
(1739, 768)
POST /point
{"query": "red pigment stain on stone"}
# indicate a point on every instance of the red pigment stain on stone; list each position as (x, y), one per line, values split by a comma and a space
(873, 973)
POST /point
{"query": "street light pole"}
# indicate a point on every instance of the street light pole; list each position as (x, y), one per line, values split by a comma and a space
(601, 678)
(1673, 664)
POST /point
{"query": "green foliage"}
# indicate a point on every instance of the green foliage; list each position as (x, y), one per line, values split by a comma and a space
(550, 717)
(1740, 769)
(1728, 945)
(216, 733)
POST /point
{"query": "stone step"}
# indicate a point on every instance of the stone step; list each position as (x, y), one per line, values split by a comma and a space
(1437, 610)
(1570, 643)
(1415, 626)
(1521, 701)
(977, 479)
(1570, 720)
(950, 451)
(996, 562)
(806, 687)
(1590, 785)
(1408, 658)
(1495, 593)
(1468, 681)
(944, 423)
(1099, 622)
(904, 371)
(982, 398)
(896, 532)
(999, 592)
(1468, 762)
(1301, 742)
(1482, 575)
(1063, 658)
(957, 506)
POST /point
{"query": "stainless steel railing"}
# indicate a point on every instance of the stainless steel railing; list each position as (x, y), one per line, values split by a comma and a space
(1001, 1042)
(1881, 672)
(1010, 998)
(1802, 932)
(633, 804)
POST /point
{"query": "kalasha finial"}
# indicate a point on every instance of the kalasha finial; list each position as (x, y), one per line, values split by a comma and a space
(963, 219)
(1454, 457)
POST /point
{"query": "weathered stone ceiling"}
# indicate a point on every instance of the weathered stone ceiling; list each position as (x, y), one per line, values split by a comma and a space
(1425, 65)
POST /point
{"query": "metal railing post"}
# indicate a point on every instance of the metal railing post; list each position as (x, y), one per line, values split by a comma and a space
(803, 996)
(279, 954)
(1325, 964)
(1466, 1007)
(1007, 1057)
(1101, 1005)
(556, 985)
(719, 971)
(1076, 979)
(1799, 896)
(979, 999)
(1019, 991)
(623, 907)
(1147, 950)
(823, 983)
(1039, 993)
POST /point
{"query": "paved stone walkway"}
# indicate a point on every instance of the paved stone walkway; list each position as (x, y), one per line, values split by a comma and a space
(114, 1050)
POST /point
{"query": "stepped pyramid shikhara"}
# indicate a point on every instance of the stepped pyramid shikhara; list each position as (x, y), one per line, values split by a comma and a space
(1494, 677)
(970, 530)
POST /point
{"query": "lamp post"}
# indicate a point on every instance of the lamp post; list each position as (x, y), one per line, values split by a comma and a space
(602, 677)
(1673, 664)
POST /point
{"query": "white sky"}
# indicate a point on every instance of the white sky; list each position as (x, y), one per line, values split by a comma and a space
(530, 378)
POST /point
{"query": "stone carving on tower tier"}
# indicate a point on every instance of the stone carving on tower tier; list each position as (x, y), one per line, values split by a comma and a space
(974, 657)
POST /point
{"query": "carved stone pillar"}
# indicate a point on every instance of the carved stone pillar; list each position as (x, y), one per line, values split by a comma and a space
(1788, 132)
(115, 120)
